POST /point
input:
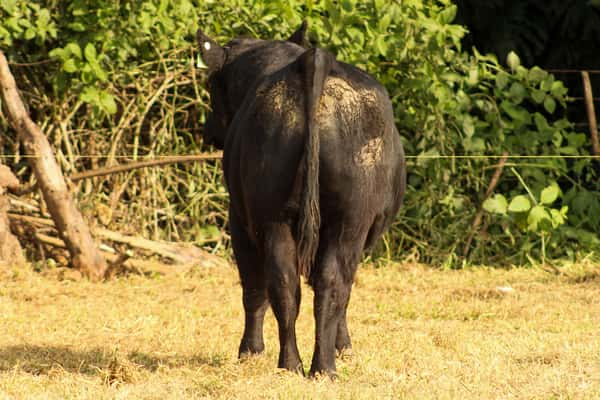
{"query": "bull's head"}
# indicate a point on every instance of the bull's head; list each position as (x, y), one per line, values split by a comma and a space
(228, 82)
(217, 121)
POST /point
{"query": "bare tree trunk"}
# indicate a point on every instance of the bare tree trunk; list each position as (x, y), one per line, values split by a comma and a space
(10, 249)
(71, 226)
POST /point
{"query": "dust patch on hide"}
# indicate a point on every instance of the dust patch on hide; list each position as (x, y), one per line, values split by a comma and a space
(342, 102)
(342, 107)
(370, 153)
(281, 100)
(354, 111)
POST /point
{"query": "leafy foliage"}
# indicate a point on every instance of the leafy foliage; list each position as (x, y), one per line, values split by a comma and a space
(117, 79)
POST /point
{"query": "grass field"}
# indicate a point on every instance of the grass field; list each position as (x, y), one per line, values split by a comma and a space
(417, 332)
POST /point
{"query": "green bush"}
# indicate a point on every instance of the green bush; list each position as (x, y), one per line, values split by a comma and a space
(116, 79)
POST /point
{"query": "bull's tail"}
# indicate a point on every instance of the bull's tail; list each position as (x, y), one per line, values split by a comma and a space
(315, 64)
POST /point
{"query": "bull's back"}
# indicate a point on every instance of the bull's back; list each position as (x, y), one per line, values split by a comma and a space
(358, 147)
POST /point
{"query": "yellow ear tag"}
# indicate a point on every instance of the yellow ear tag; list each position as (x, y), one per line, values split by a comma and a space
(200, 63)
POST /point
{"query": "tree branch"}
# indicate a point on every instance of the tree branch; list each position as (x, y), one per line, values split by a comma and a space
(70, 224)
(490, 189)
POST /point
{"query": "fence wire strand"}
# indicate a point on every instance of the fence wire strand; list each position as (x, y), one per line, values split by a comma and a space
(421, 157)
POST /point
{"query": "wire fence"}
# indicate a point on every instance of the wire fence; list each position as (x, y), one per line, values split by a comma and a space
(422, 156)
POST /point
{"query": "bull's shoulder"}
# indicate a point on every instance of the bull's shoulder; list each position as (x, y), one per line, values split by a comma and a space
(257, 63)
(264, 58)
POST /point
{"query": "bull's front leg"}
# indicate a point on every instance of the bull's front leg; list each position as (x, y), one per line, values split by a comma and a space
(252, 276)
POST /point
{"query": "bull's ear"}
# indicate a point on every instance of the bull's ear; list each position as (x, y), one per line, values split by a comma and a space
(212, 53)
(299, 37)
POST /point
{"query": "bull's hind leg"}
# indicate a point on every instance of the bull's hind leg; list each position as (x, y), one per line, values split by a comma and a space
(254, 288)
(284, 291)
(332, 282)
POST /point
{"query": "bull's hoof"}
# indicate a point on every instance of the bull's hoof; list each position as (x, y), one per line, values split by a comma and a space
(250, 349)
(323, 374)
(295, 368)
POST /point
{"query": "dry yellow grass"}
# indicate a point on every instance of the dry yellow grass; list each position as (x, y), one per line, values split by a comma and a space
(417, 333)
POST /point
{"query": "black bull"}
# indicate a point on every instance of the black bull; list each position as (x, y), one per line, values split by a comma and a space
(315, 171)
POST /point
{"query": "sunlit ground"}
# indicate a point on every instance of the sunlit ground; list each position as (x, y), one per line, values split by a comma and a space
(417, 332)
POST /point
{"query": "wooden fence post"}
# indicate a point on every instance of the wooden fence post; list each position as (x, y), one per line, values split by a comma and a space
(591, 112)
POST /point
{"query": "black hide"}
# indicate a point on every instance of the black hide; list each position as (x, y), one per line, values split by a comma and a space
(315, 171)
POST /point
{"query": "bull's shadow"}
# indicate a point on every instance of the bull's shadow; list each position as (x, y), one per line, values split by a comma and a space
(40, 360)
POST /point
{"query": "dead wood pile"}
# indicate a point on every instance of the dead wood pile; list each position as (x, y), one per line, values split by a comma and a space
(56, 226)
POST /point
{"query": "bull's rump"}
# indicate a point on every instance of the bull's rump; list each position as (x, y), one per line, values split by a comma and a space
(356, 159)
